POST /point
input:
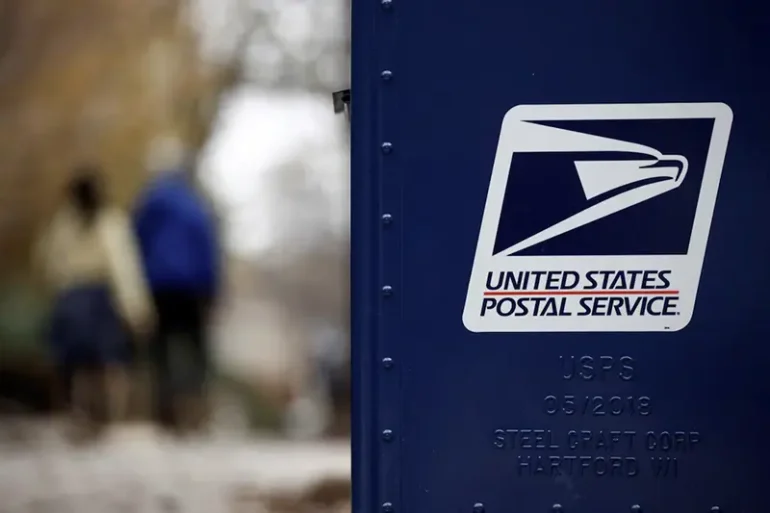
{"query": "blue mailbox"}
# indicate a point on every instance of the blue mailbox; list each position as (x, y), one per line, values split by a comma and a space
(560, 239)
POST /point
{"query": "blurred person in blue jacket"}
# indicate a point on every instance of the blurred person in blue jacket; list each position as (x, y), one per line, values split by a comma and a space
(176, 230)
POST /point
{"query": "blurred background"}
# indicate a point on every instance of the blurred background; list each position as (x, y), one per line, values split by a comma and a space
(246, 86)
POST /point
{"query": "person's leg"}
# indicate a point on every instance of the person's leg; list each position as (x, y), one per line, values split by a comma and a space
(160, 360)
(86, 390)
(59, 344)
(65, 376)
(117, 386)
(72, 379)
(198, 333)
(81, 374)
(191, 404)
(199, 342)
(113, 353)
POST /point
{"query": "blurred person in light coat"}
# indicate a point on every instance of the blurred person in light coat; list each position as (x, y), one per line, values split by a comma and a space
(177, 233)
(90, 260)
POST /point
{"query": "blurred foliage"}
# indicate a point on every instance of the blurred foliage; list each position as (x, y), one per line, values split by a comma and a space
(21, 315)
(92, 80)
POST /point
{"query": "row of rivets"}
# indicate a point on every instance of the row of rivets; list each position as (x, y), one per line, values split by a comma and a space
(387, 219)
(557, 508)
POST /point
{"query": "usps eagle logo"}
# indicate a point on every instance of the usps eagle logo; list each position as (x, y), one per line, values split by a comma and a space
(597, 217)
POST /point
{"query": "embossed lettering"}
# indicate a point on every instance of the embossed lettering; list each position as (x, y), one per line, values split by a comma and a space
(626, 368)
(664, 467)
(525, 439)
(577, 466)
(643, 405)
(598, 405)
(568, 367)
(610, 441)
(540, 436)
(607, 363)
(596, 453)
(500, 438)
(671, 441)
(589, 368)
(569, 405)
(586, 370)
(551, 405)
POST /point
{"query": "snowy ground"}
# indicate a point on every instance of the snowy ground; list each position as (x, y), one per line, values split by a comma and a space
(138, 470)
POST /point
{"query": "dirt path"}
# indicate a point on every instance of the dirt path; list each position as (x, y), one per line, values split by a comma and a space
(136, 470)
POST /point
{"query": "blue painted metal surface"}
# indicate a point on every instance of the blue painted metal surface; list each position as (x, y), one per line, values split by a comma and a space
(499, 420)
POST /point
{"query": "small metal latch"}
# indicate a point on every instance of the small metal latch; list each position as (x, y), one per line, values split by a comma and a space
(341, 101)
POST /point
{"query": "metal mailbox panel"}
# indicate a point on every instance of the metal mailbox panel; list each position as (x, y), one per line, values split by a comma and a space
(578, 142)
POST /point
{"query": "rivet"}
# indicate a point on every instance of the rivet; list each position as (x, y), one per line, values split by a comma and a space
(386, 75)
(387, 290)
(387, 363)
(387, 219)
(387, 435)
(387, 147)
(387, 507)
(715, 509)
(478, 508)
(386, 4)
(636, 508)
(556, 508)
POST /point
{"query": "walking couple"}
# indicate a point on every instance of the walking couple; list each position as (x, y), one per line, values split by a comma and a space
(123, 280)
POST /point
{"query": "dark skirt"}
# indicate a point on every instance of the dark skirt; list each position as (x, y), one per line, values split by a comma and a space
(86, 330)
